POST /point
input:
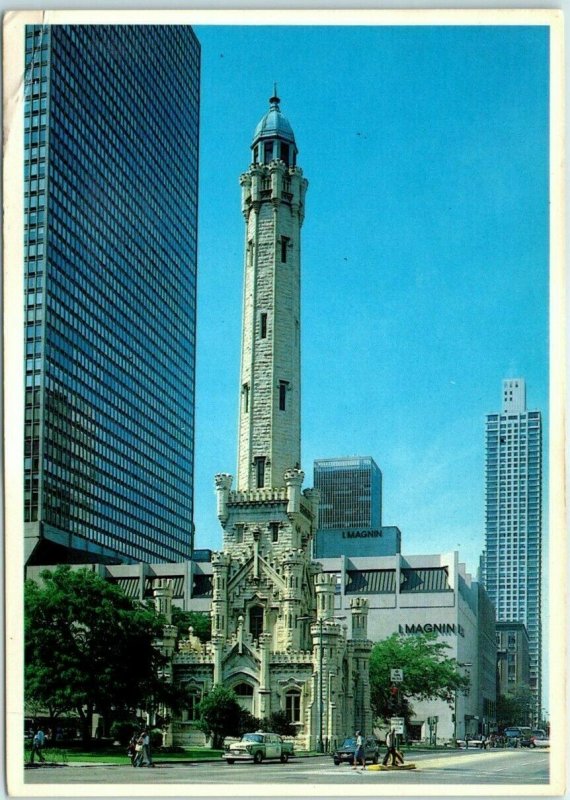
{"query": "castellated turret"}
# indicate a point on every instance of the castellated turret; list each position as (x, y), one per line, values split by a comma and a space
(359, 611)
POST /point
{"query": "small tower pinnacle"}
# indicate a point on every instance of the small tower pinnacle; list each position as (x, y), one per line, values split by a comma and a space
(275, 100)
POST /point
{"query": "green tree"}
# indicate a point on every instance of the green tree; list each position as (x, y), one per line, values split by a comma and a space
(278, 722)
(220, 715)
(88, 647)
(428, 673)
(200, 621)
(515, 708)
(248, 723)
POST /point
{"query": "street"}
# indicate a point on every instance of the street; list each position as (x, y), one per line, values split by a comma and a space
(448, 768)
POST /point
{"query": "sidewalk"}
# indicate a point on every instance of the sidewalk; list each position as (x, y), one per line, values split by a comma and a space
(157, 761)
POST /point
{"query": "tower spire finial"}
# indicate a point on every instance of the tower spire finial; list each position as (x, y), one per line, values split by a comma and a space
(274, 100)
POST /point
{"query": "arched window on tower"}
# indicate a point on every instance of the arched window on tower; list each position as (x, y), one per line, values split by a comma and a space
(243, 690)
(244, 694)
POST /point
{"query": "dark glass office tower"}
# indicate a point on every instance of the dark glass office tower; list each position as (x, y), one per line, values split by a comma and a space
(351, 492)
(350, 509)
(111, 182)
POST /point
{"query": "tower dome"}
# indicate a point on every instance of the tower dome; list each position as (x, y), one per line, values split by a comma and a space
(273, 137)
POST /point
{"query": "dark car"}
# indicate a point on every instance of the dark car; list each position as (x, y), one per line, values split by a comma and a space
(518, 736)
(527, 739)
(348, 748)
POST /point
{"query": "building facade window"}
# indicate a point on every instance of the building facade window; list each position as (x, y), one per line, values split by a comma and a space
(293, 705)
(259, 466)
(284, 246)
(283, 386)
(193, 702)
(256, 621)
(263, 326)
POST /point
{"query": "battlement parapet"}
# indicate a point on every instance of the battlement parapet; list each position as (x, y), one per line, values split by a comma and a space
(359, 604)
(268, 495)
(293, 557)
(291, 657)
(192, 658)
(324, 581)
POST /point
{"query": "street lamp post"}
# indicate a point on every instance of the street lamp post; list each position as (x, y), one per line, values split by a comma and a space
(459, 664)
(320, 621)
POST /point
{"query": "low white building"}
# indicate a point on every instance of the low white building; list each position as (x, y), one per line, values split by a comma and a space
(429, 593)
(404, 594)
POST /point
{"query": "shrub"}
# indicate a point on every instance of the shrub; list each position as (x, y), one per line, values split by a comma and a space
(122, 730)
(155, 738)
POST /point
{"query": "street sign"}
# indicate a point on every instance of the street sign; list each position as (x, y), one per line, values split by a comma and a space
(398, 724)
(396, 675)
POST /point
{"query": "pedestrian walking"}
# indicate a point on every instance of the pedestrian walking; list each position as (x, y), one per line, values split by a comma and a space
(392, 751)
(359, 754)
(142, 750)
(132, 748)
(37, 746)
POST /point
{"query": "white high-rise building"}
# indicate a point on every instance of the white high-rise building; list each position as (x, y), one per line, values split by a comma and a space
(512, 569)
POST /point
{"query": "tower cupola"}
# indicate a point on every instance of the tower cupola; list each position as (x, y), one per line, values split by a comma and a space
(273, 138)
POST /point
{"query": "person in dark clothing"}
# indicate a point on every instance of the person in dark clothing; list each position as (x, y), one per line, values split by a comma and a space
(392, 752)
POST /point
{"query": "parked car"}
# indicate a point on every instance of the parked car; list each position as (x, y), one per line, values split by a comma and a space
(348, 748)
(539, 738)
(474, 742)
(517, 736)
(526, 737)
(257, 747)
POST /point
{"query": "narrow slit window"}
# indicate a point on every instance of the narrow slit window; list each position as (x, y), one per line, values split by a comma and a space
(259, 466)
(284, 247)
(274, 528)
(245, 393)
(283, 386)
(263, 326)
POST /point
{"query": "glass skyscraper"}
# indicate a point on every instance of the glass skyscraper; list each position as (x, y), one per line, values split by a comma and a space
(512, 569)
(351, 492)
(350, 509)
(110, 202)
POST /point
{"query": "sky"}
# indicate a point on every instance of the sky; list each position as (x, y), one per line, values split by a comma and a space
(424, 252)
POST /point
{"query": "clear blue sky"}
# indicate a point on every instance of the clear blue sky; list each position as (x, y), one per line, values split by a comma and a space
(424, 252)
